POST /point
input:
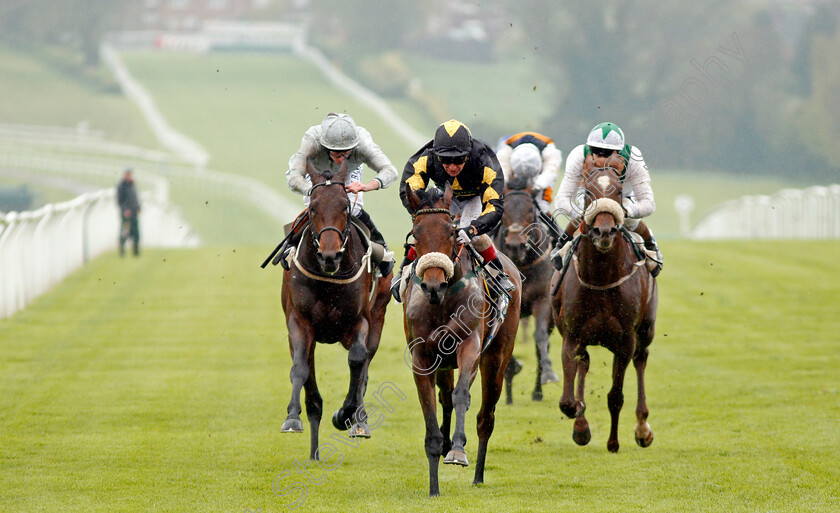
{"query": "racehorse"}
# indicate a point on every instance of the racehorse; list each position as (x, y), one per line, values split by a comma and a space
(607, 297)
(327, 298)
(526, 242)
(447, 321)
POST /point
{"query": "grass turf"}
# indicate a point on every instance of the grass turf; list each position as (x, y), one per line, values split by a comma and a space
(160, 383)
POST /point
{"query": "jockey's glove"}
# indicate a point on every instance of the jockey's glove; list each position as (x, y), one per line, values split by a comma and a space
(466, 235)
(630, 208)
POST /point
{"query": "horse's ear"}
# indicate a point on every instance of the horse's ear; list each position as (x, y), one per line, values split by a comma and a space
(589, 162)
(616, 162)
(413, 199)
(314, 175)
(447, 196)
(342, 172)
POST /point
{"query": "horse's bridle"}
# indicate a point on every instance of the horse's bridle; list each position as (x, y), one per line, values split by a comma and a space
(345, 234)
(534, 207)
(456, 253)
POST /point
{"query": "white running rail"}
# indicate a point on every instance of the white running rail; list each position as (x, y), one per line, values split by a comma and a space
(40, 248)
(812, 213)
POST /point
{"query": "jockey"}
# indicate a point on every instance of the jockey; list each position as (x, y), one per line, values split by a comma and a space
(327, 146)
(533, 155)
(604, 140)
(453, 157)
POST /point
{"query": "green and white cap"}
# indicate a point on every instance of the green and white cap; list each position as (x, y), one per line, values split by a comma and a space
(607, 136)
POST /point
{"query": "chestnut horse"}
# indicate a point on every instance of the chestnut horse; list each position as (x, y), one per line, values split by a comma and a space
(607, 298)
(326, 297)
(525, 240)
(447, 319)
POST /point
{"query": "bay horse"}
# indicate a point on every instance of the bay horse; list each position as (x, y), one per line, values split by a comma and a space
(446, 320)
(327, 297)
(526, 241)
(607, 297)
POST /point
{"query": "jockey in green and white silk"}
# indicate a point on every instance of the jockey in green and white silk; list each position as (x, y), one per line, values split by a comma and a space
(637, 195)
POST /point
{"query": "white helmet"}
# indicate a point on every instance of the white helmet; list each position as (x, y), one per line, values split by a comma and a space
(525, 161)
(338, 132)
(607, 136)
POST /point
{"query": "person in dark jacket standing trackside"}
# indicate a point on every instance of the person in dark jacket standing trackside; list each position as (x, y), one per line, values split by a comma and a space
(129, 209)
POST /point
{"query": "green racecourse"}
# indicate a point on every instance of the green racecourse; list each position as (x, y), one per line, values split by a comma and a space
(160, 383)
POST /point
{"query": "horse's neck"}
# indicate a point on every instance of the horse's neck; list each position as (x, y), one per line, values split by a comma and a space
(597, 268)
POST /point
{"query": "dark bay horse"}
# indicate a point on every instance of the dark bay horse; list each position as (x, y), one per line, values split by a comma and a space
(447, 319)
(607, 298)
(327, 298)
(525, 240)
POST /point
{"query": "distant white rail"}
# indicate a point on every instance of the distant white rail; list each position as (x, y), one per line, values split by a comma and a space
(812, 213)
(40, 248)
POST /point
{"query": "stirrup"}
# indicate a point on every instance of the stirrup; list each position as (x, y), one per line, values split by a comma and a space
(284, 257)
(395, 286)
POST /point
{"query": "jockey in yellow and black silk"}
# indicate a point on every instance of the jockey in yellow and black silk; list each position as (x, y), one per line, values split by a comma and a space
(454, 157)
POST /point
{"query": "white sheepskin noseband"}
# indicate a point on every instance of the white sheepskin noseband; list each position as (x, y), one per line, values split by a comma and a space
(435, 260)
(604, 205)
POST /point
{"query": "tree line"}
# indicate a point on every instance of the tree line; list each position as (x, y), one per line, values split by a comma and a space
(748, 87)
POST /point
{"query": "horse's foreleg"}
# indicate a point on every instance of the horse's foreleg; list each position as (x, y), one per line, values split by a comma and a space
(425, 384)
(644, 435)
(492, 375)
(570, 367)
(301, 346)
(352, 415)
(446, 383)
(581, 433)
(314, 407)
(615, 397)
(468, 354)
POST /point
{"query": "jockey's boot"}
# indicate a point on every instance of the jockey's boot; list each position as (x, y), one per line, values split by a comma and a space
(651, 245)
(556, 257)
(291, 240)
(387, 263)
(395, 281)
(500, 276)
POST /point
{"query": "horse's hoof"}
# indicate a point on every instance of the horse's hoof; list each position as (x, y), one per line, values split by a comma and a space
(536, 396)
(548, 376)
(612, 445)
(359, 430)
(582, 437)
(292, 425)
(646, 438)
(456, 457)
